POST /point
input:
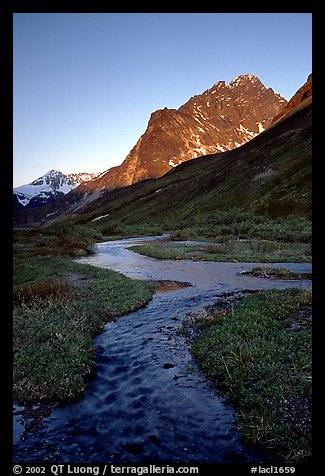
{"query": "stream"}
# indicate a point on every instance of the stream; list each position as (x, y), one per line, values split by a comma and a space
(148, 401)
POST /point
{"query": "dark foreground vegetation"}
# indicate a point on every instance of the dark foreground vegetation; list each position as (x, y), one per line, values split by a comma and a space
(59, 307)
(247, 251)
(257, 353)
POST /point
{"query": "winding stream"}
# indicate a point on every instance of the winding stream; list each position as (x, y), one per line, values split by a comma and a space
(148, 402)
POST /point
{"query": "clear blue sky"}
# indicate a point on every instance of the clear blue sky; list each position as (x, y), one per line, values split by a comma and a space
(86, 84)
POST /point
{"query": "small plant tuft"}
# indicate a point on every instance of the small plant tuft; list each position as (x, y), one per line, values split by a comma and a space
(29, 293)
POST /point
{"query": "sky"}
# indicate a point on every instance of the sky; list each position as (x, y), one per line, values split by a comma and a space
(85, 84)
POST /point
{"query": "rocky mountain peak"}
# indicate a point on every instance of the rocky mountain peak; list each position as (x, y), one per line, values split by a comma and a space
(161, 114)
(216, 86)
(222, 118)
(49, 187)
(54, 179)
(246, 78)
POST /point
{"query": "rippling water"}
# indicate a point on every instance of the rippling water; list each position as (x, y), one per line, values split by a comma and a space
(148, 402)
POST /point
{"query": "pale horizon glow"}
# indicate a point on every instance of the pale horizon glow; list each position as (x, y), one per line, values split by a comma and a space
(85, 84)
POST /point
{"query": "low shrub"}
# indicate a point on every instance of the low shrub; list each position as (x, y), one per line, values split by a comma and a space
(225, 248)
(264, 246)
(76, 240)
(180, 236)
(29, 293)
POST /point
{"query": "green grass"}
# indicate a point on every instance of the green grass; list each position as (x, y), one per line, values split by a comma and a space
(278, 273)
(233, 250)
(234, 224)
(65, 239)
(59, 306)
(261, 362)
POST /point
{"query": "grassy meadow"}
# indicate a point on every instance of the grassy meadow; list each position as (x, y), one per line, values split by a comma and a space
(257, 354)
(59, 307)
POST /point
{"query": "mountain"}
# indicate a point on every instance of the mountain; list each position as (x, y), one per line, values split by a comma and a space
(269, 175)
(48, 188)
(301, 98)
(222, 118)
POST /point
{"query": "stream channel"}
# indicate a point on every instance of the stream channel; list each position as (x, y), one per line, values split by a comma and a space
(148, 402)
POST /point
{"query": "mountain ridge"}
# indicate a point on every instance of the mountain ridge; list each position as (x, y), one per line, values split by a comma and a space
(223, 117)
(270, 175)
(277, 185)
(80, 202)
(301, 98)
(49, 187)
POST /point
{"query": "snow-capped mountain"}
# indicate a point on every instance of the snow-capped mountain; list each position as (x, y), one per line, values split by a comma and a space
(49, 187)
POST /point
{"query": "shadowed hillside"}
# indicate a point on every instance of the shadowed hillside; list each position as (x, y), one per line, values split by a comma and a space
(270, 175)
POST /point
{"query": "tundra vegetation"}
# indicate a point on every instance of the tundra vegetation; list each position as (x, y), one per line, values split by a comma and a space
(257, 354)
(59, 307)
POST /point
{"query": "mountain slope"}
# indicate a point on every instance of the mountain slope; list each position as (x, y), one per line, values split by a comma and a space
(270, 175)
(301, 98)
(221, 118)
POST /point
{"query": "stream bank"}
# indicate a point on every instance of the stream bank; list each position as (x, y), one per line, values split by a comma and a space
(148, 402)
